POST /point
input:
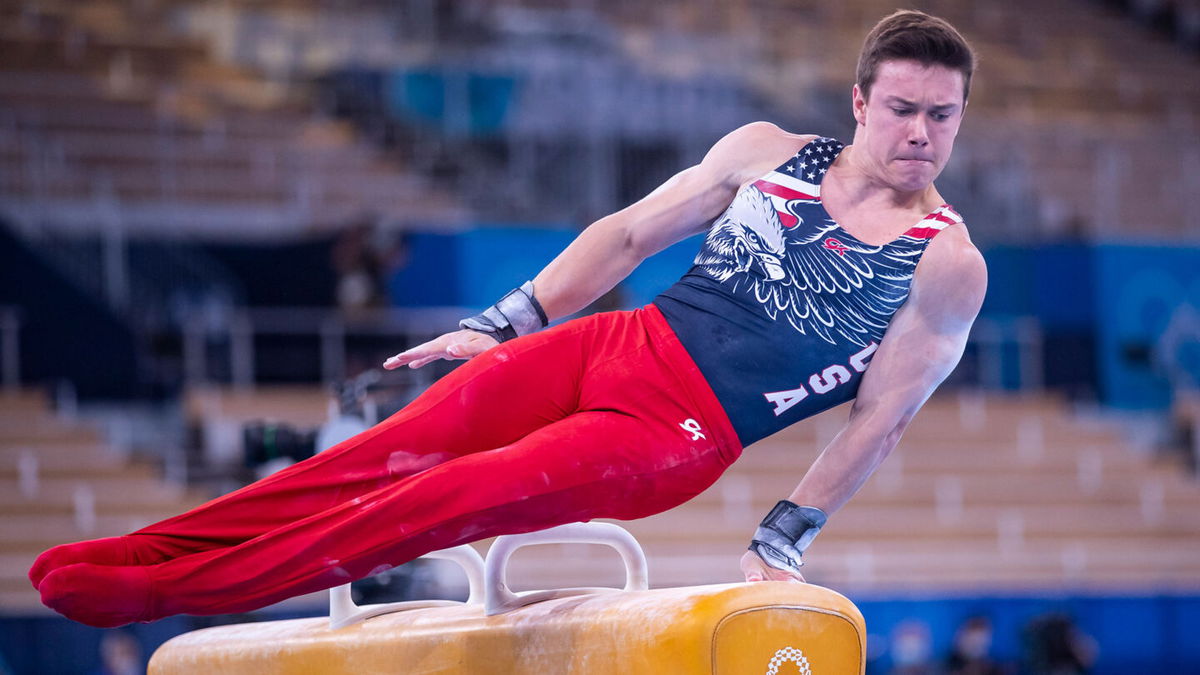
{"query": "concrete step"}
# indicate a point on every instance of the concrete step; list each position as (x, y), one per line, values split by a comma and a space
(88, 462)
(952, 455)
(35, 429)
(116, 509)
(110, 494)
(22, 602)
(24, 401)
(748, 485)
(37, 532)
(705, 523)
(974, 571)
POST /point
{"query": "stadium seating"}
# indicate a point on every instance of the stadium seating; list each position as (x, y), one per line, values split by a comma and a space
(99, 114)
(993, 494)
(62, 481)
(1077, 113)
(1001, 495)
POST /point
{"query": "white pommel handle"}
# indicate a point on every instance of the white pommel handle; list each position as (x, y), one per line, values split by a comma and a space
(500, 599)
(343, 611)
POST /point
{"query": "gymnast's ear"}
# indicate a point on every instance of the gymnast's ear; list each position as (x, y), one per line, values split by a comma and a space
(858, 104)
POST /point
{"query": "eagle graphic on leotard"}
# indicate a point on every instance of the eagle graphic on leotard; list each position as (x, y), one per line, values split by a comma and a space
(817, 277)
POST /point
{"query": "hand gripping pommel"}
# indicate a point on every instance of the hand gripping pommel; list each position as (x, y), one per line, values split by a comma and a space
(785, 533)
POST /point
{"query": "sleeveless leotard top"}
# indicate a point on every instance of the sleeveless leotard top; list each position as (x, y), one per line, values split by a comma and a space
(783, 308)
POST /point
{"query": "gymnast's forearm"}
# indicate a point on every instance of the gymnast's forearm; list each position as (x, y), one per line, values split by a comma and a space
(846, 463)
(599, 258)
(790, 527)
(607, 251)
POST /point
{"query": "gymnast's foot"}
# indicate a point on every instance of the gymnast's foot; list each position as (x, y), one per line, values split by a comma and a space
(98, 595)
(110, 551)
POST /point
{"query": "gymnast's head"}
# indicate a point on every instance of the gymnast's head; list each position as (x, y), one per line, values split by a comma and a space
(913, 79)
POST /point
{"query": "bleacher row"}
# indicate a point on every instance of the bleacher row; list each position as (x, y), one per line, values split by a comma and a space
(1089, 107)
(149, 129)
(64, 481)
(984, 494)
(110, 103)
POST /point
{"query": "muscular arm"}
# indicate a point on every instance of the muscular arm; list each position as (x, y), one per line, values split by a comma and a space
(922, 345)
(609, 249)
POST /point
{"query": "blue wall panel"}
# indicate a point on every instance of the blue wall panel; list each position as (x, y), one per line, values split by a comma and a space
(492, 261)
(1142, 634)
(1138, 288)
(430, 277)
(1117, 299)
(659, 271)
(1054, 283)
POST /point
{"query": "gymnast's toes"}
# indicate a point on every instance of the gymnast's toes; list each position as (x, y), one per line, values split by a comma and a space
(110, 551)
(98, 595)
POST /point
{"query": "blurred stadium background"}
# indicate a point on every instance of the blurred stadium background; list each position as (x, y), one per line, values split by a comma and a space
(217, 217)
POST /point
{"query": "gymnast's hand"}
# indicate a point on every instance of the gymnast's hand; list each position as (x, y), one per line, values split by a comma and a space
(755, 569)
(461, 344)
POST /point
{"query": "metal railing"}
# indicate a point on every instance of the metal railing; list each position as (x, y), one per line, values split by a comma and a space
(10, 347)
(994, 343)
(993, 337)
(331, 327)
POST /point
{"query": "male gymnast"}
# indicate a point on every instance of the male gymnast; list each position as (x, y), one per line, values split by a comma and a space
(829, 272)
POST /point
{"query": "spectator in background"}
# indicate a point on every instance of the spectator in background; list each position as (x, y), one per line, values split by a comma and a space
(1054, 645)
(969, 654)
(364, 257)
(357, 274)
(120, 654)
(911, 649)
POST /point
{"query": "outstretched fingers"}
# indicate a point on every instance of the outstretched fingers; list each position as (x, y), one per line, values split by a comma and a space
(461, 344)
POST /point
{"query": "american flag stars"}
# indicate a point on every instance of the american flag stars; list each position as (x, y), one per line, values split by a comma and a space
(814, 159)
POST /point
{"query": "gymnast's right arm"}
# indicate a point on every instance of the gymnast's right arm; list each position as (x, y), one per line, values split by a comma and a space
(609, 249)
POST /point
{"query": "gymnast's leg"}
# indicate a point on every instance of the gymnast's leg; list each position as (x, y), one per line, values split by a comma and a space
(639, 433)
(591, 464)
(488, 402)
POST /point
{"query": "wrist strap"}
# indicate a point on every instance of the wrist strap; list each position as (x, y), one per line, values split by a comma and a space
(785, 533)
(517, 313)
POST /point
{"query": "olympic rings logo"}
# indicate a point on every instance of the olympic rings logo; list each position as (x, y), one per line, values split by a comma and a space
(789, 655)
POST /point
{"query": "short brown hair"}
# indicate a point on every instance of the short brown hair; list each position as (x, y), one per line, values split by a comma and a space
(914, 36)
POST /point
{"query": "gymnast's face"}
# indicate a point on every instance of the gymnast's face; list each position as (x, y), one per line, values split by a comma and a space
(908, 123)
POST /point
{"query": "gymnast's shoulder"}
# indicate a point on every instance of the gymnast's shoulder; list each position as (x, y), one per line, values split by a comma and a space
(954, 266)
(753, 149)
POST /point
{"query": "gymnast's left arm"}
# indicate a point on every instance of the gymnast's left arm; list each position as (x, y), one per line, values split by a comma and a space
(610, 248)
(922, 345)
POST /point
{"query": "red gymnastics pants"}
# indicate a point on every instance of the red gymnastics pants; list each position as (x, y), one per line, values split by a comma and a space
(603, 417)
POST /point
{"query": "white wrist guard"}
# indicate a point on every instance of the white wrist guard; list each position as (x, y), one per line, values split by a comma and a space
(517, 313)
(785, 533)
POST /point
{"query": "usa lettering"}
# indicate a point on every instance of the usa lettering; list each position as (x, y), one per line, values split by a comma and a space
(822, 382)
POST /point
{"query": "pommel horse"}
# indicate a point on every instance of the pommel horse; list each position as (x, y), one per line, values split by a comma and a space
(763, 628)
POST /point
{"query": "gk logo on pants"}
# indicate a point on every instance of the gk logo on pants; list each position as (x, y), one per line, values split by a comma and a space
(692, 426)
